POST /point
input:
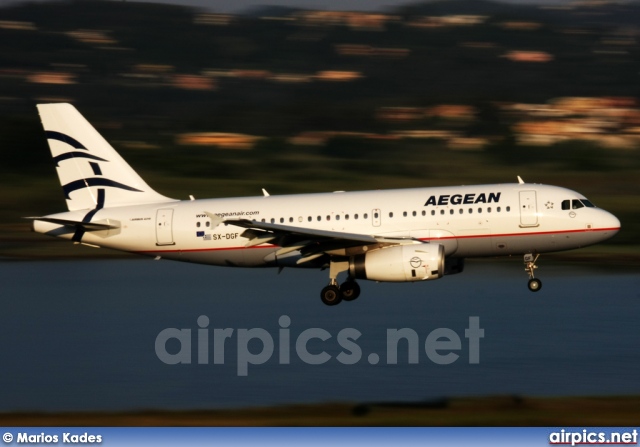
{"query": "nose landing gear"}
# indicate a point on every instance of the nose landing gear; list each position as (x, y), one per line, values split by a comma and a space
(530, 265)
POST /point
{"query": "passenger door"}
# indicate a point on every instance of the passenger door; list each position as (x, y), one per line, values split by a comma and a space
(528, 209)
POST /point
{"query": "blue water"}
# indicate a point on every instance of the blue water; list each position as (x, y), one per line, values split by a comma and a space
(80, 335)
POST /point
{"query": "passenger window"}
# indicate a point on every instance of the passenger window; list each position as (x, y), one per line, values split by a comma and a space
(461, 211)
(498, 209)
(365, 216)
(291, 219)
(346, 217)
(424, 213)
(566, 204)
(273, 220)
(479, 210)
(508, 209)
(391, 214)
(433, 212)
(414, 214)
(450, 211)
(319, 218)
(489, 210)
(442, 212)
(198, 224)
(309, 219)
(355, 216)
(282, 220)
(328, 217)
(375, 215)
(337, 216)
(470, 210)
(404, 214)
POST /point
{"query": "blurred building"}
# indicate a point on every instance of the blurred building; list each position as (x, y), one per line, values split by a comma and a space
(219, 139)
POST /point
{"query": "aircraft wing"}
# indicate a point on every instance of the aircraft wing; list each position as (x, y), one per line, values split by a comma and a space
(307, 232)
(312, 243)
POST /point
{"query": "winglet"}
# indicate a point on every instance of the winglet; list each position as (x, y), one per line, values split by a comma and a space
(215, 219)
(520, 180)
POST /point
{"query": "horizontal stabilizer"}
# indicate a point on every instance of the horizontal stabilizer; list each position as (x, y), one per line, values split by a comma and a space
(88, 226)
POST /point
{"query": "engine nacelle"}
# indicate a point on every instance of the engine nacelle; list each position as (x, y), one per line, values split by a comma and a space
(400, 263)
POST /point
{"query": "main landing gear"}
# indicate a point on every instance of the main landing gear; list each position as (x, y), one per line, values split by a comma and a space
(334, 294)
(530, 265)
(347, 291)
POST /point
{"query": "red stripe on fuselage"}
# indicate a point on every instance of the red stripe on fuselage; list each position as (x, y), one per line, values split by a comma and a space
(193, 250)
(538, 233)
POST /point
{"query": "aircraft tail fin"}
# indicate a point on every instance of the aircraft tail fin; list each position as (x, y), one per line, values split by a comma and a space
(92, 174)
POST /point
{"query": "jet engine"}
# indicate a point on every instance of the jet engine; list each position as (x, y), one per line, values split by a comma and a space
(400, 263)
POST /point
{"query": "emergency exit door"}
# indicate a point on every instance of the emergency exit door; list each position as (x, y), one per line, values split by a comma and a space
(376, 217)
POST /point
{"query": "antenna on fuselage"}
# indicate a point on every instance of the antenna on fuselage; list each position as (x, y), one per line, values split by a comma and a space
(520, 180)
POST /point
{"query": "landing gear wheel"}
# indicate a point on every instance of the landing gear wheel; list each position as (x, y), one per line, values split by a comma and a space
(535, 284)
(530, 266)
(331, 295)
(350, 290)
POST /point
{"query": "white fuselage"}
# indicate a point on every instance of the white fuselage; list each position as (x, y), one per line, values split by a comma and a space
(469, 221)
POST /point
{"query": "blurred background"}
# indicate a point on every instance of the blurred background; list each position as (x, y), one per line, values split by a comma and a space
(439, 93)
(220, 103)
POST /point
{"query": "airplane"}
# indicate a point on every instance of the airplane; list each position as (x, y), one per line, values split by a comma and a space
(400, 235)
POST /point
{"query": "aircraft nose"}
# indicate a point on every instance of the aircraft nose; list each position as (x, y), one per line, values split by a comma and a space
(612, 222)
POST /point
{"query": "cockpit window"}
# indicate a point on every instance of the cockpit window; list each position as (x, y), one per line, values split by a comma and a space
(575, 204)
